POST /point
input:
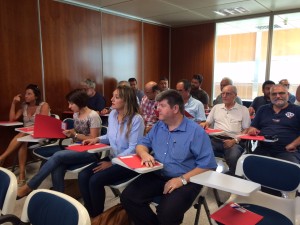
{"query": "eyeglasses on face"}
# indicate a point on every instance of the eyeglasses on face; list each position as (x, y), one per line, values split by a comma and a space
(226, 93)
(278, 93)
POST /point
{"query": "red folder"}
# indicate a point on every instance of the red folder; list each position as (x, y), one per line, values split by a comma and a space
(134, 161)
(211, 131)
(188, 115)
(84, 148)
(47, 127)
(27, 130)
(234, 214)
(252, 137)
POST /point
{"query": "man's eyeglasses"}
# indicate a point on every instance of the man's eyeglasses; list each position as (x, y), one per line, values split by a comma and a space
(226, 93)
(274, 94)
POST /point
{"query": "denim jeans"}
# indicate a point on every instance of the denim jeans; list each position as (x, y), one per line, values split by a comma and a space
(57, 164)
(92, 185)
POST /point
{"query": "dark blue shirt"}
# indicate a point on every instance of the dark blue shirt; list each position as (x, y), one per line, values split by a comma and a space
(285, 125)
(97, 102)
(259, 101)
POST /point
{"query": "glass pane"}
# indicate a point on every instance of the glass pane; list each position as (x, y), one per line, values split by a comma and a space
(240, 54)
(285, 58)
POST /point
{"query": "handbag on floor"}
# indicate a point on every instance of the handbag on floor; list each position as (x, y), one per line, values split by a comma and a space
(115, 215)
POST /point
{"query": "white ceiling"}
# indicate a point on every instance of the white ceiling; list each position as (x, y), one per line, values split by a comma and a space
(185, 12)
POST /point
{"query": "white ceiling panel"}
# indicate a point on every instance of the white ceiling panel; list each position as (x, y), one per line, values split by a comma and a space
(277, 5)
(252, 6)
(185, 12)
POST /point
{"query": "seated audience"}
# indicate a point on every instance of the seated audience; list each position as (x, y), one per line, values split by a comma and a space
(148, 105)
(232, 118)
(191, 105)
(96, 101)
(224, 82)
(87, 124)
(139, 93)
(28, 109)
(125, 128)
(197, 92)
(261, 100)
(184, 149)
(286, 83)
(278, 120)
(163, 84)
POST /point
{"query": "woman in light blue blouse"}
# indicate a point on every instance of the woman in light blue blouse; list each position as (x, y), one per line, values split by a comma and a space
(125, 128)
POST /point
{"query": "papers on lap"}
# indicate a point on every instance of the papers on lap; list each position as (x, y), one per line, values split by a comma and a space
(48, 127)
(234, 214)
(84, 148)
(134, 162)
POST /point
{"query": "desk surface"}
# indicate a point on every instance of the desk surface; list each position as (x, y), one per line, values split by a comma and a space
(226, 183)
(10, 123)
(89, 148)
(29, 138)
(25, 130)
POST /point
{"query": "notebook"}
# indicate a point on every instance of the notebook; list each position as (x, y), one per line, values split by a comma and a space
(84, 148)
(134, 162)
(252, 137)
(234, 214)
(48, 127)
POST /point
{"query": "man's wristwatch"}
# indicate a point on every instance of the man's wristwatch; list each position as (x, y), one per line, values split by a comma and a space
(236, 141)
(183, 180)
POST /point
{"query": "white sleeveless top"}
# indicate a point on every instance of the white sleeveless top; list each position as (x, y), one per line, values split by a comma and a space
(29, 120)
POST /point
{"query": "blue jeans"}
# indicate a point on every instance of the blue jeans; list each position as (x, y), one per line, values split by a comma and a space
(92, 185)
(57, 164)
(231, 155)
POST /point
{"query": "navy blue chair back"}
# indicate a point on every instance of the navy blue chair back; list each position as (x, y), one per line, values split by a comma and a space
(48, 209)
(5, 180)
(269, 172)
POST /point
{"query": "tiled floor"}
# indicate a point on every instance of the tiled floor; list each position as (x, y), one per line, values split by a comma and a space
(111, 200)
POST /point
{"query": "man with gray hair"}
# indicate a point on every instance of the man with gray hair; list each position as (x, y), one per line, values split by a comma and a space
(224, 82)
(96, 101)
(233, 119)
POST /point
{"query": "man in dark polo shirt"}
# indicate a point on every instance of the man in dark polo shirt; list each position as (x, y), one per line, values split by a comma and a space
(262, 100)
(278, 120)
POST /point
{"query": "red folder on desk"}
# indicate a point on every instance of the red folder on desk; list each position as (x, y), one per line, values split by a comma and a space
(251, 137)
(234, 214)
(188, 115)
(48, 127)
(84, 148)
(134, 161)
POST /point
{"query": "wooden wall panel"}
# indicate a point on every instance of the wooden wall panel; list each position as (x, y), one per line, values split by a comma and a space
(156, 52)
(193, 52)
(122, 51)
(20, 62)
(72, 49)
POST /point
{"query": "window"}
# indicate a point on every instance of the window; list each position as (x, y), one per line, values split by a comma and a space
(241, 52)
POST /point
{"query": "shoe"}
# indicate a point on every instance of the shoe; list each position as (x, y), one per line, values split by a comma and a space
(26, 192)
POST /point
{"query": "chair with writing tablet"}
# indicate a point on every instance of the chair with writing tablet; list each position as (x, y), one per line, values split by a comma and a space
(46, 207)
(8, 191)
(275, 174)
